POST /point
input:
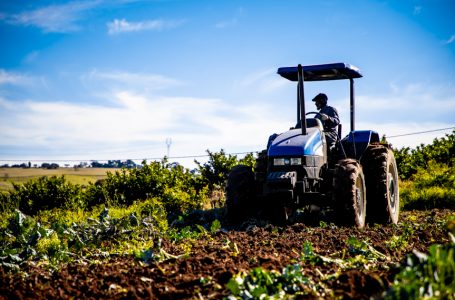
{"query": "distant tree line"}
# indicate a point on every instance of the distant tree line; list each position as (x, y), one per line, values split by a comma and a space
(129, 164)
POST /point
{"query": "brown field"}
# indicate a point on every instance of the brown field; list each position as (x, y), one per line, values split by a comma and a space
(73, 175)
(220, 256)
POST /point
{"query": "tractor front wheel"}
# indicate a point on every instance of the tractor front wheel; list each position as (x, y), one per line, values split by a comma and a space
(350, 193)
(240, 194)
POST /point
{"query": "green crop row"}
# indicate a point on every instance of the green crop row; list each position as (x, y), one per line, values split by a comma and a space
(420, 276)
(53, 237)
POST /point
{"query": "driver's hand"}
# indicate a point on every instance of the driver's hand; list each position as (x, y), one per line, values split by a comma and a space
(324, 117)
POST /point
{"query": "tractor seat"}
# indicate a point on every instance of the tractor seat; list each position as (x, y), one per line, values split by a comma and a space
(312, 122)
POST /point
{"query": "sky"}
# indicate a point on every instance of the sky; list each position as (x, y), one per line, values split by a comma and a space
(124, 79)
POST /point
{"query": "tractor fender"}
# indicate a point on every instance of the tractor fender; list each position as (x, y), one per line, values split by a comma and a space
(357, 141)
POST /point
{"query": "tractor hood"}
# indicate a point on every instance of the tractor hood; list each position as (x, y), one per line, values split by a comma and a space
(293, 143)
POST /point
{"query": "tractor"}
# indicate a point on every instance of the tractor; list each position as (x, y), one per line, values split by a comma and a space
(356, 180)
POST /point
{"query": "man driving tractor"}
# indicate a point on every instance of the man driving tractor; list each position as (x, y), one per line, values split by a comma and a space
(329, 118)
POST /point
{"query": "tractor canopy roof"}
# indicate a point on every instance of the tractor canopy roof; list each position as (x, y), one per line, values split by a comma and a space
(322, 72)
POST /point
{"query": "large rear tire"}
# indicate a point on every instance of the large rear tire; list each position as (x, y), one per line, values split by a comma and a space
(240, 194)
(260, 171)
(350, 193)
(381, 175)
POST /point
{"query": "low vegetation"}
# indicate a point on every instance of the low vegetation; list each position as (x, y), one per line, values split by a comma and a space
(428, 174)
(161, 212)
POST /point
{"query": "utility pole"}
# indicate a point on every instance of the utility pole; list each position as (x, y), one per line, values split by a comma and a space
(168, 144)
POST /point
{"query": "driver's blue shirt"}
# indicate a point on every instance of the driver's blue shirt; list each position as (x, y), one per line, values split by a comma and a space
(330, 124)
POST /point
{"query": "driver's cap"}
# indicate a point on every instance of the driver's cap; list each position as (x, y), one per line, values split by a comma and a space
(320, 96)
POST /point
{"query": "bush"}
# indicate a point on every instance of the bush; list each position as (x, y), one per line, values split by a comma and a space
(214, 173)
(45, 193)
(172, 183)
(440, 151)
(6, 203)
(433, 187)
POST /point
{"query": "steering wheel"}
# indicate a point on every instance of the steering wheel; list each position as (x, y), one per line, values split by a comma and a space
(312, 113)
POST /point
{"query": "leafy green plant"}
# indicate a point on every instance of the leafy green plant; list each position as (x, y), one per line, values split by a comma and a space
(154, 254)
(24, 238)
(263, 284)
(308, 255)
(185, 233)
(363, 248)
(427, 276)
(400, 242)
(215, 226)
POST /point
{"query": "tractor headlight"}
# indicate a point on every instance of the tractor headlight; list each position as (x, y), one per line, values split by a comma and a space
(296, 161)
(278, 162)
(288, 161)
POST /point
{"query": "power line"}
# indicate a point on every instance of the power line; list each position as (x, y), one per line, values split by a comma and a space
(202, 155)
(420, 132)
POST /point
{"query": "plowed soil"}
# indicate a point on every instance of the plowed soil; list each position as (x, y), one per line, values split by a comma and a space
(215, 259)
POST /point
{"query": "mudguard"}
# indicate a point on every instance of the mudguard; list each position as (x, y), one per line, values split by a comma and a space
(356, 142)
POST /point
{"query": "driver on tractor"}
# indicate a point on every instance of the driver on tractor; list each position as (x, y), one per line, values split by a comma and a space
(329, 118)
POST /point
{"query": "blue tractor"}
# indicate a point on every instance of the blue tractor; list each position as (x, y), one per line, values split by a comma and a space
(356, 180)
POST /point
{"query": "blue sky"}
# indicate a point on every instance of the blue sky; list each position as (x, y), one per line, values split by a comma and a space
(104, 80)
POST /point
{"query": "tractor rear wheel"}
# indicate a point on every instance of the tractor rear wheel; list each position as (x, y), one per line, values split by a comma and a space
(240, 194)
(350, 193)
(381, 176)
(260, 171)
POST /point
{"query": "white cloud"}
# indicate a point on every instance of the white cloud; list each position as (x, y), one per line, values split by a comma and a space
(264, 81)
(123, 26)
(54, 18)
(409, 108)
(417, 10)
(450, 40)
(240, 13)
(129, 80)
(409, 101)
(14, 78)
(6, 77)
(6, 105)
(225, 24)
(137, 123)
(31, 57)
(138, 126)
